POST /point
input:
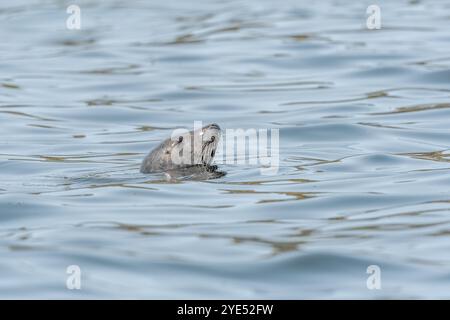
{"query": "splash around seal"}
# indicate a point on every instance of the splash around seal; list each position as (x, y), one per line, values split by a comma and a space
(186, 153)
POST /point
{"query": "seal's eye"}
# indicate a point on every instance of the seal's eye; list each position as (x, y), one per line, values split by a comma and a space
(180, 139)
(213, 139)
(213, 153)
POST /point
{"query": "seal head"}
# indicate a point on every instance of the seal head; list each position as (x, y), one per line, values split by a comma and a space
(184, 150)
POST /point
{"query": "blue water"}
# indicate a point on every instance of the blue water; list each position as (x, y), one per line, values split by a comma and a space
(364, 176)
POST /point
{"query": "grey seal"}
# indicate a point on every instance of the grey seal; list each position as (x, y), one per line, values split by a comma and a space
(186, 154)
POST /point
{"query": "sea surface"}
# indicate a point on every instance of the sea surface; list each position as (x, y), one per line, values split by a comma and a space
(363, 182)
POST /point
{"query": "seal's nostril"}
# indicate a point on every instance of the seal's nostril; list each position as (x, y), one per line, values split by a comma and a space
(213, 153)
(214, 126)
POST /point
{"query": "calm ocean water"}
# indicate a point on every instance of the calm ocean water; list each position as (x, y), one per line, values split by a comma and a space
(364, 176)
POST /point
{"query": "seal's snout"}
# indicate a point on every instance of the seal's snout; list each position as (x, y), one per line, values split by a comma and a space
(210, 139)
(211, 133)
(213, 126)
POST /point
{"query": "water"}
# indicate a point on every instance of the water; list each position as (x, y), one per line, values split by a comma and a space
(364, 149)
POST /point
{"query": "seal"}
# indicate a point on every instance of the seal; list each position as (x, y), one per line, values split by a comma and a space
(186, 153)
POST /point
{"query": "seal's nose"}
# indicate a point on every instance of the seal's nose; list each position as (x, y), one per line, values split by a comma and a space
(213, 126)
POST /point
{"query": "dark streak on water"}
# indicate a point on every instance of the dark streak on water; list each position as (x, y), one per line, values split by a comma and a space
(364, 123)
